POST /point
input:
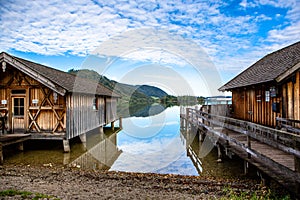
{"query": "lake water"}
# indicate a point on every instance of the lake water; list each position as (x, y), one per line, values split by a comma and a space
(153, 144)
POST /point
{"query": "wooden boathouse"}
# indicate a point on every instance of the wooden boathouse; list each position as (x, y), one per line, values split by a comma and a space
(51, 104)
(262, 125)
(269, 90)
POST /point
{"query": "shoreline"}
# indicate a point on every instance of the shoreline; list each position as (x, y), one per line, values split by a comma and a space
(73, 183)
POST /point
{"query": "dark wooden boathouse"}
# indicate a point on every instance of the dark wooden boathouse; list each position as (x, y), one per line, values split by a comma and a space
(268, 92)
(262, 126)
(51, 104)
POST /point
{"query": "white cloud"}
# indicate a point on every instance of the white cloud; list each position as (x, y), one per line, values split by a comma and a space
(78, 27)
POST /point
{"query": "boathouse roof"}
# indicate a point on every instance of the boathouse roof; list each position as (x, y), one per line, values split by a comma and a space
(275, 66)
(57, 80)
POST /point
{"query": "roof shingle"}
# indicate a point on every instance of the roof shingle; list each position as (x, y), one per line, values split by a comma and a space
(69, 82)
(269, 68)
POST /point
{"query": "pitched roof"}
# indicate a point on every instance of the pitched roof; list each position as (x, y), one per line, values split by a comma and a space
(68, 82)
(273, 67)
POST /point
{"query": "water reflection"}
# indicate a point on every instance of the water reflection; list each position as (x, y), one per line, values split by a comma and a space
(101, 152)
(146, 144)
(153, 144)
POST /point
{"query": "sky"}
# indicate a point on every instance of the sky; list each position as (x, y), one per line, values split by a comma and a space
(183, 47)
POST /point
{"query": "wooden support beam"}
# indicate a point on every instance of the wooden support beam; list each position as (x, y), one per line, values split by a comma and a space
(112, 126)
(219, 153)
(297, 159)
(101, 131)
(249, 145)
(21, 146)
(66, 146)
(120, 123)
(246, 167)
(83, 137)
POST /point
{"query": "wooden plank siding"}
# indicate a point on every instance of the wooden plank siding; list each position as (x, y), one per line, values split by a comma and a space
(83, 117)
(46, 115)
(111, 109)
(250, 104)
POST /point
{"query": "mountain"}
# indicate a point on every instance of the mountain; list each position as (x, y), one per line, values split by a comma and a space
(137, 94)
(151, 91)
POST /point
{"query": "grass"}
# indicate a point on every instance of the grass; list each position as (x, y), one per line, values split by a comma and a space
(264, 194)
(26, 195)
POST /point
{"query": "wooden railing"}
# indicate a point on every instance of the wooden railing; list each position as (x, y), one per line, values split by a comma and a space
(285, 141)
(289, 124)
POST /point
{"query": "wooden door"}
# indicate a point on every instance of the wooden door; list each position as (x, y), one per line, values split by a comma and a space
(18, 109)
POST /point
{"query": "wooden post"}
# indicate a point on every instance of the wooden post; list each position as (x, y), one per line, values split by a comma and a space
(21, 146)
(101, 131)
(67, 157)
(112, 126)
(297, 159)
(66, 146)
(83, 137)
(249, 145)
(1, 154)
(83, 140)
(120, 123)
(201, 136)
(246, 167)
(219, 153)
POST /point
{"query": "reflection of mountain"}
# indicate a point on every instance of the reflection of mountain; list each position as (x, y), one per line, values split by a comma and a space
(146, 111)
(101, 154)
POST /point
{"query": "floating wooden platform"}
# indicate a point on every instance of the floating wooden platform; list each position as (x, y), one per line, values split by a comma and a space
(275, 153)
(9, 139)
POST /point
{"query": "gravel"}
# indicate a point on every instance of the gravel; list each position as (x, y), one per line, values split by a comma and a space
(73, 183)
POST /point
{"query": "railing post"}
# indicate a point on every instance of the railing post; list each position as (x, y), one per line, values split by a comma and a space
(187, 120)
(297, 159)
(248, 144)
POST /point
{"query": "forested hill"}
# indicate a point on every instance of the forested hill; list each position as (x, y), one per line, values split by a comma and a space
(134, 93)
(151, 91)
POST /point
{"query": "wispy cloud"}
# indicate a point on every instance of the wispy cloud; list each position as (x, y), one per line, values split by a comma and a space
(228, 31)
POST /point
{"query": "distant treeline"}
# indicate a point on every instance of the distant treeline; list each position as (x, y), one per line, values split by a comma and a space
(137, 98)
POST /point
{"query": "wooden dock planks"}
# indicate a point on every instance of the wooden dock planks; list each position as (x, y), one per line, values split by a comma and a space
(255, 144)
(9, 139)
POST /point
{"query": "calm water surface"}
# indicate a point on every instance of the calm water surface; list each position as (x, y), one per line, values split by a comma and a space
(146, 144)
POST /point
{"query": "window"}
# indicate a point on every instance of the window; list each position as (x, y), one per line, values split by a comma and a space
(19, 106)
(95, 103)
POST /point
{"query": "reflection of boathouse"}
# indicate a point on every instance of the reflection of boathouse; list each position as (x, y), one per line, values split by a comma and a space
(51, 104)
(101, 153)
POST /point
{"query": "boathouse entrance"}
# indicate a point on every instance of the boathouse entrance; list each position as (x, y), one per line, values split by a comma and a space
(18, 107)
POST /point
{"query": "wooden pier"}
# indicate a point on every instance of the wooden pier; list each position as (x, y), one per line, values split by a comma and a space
(275, 153)
(9, 139)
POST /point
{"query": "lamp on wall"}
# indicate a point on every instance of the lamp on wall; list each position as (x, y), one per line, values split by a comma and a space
(55, 97)
(3, 66)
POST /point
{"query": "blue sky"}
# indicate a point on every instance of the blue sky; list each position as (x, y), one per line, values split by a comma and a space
(202, 43)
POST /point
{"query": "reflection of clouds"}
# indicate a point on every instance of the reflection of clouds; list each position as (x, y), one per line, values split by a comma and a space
(147, 127)
(163, 153)
(145, 156)
(182, 165)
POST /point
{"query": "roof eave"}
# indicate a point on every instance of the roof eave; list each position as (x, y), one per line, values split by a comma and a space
(288, 73)
(33, 74)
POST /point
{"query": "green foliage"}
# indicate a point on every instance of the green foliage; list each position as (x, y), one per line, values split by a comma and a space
(263, 194)
(26, 195)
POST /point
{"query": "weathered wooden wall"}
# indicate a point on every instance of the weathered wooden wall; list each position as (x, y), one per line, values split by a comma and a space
(250, 103)
(46, 115)
(291, 97)
(111, 109)
(82, 117)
